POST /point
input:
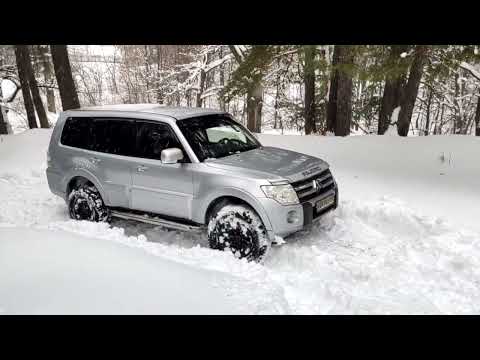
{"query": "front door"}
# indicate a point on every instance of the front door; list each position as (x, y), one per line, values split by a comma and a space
(165, 189)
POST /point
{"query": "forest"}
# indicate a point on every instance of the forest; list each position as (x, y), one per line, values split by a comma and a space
(409, 90)
(397, 125)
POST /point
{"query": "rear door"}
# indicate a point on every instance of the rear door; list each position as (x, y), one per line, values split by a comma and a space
(114, 144)
(165, 189)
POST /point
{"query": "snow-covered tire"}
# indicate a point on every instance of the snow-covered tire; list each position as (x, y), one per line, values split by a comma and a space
(239, 229)
(85, 203)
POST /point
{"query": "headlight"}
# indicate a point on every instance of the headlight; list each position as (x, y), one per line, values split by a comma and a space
(284, 194)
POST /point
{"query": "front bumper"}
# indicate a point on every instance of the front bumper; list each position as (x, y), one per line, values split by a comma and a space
(310, 214)
(306, 213)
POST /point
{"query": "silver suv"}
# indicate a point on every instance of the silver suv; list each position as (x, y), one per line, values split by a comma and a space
(191, 169)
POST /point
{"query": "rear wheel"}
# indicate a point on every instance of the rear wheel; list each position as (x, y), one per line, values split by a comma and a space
(85, 203)
(238, 228)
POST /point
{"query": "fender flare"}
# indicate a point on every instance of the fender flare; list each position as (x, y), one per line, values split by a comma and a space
(240, 194)
(90, 177)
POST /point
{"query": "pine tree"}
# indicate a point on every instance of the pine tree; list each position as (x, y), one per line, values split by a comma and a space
(248, 77)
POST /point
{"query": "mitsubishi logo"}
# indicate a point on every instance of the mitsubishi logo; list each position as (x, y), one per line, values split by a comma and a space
(316, 185)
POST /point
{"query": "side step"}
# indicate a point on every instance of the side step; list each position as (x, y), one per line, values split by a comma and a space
(145, 218)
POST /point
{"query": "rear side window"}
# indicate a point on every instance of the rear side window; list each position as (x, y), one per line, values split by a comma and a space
(114, 136)
(152, 138)
(77, 132)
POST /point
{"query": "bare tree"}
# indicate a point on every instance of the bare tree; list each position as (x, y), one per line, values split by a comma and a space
(63, 73)
(201, 80)
(411, 90)
(47, 69)
(32, 82)
(8, 72)
(23, 77)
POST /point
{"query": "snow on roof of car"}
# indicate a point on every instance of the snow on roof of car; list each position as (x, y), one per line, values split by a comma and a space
(177, 112)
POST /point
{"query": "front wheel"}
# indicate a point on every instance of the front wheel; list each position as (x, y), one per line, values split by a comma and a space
(237, 228)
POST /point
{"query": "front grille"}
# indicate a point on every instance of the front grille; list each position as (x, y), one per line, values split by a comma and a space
(314, 186)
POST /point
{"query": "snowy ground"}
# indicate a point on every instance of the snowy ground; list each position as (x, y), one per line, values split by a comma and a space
(405, 239)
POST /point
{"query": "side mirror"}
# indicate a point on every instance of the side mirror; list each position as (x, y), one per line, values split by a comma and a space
(171, 155)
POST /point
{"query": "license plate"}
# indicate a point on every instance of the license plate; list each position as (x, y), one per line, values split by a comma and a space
(324, 203)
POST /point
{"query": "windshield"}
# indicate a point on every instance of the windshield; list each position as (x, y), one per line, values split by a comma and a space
(216, 136)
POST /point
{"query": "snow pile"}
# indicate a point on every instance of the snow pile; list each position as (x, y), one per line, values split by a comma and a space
(380, 258)
(58, 272)
(405, 239)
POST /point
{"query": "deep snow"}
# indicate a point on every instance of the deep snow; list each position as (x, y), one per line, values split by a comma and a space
(58, 272)
(404, 239)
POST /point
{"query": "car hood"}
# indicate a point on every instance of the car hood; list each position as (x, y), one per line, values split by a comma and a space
(274, 162)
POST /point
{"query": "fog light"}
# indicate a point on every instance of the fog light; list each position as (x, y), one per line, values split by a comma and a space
(292, 217)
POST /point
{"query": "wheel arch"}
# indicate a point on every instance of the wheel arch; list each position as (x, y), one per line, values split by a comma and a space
(84, 176)
(237, 197)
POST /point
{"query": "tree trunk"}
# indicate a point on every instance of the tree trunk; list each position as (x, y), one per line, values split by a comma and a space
(222, 80)
(3, 123)
(393, 90)
(3, 118)
(27, 97)
(429, 104)
(201, 87)
(63, 73)
(48, 76)
(339, 114)
(254, 108)
(477, 118)
(32, 82)
(344, 104)
(309, 82)
(332, 95)
(277, 94)
(411, 90)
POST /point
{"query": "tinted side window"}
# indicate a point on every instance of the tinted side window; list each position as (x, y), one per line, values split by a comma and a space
(152, 138)
(77, 132)
(114, 136)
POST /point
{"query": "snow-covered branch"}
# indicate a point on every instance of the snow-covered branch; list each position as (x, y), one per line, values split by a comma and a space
(14, 93)
(471, 69)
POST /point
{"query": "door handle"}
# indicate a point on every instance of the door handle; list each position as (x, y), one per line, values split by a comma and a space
(95, 160)
(142, 168)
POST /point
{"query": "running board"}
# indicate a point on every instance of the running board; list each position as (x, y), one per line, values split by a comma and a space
(156, 221)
